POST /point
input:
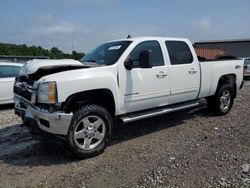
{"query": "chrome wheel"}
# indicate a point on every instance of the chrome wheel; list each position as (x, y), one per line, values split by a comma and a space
(225, 101)
(89, 132)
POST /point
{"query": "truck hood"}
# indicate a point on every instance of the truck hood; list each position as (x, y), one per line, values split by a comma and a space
(33, 66)
(35, 69)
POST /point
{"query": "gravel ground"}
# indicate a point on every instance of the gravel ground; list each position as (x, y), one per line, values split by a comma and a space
(185, 149)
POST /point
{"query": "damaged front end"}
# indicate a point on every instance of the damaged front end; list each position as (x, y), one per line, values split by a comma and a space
(37, 101)
(51, 122)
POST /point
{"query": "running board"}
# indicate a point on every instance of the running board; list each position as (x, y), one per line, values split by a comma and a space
(157, 112)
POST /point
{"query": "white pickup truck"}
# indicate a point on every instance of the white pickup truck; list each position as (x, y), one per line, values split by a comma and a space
(128, 79)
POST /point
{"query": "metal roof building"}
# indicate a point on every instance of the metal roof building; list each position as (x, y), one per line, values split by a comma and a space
(237, 47)
(19, 59)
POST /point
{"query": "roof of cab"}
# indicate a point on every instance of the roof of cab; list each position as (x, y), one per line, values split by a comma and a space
(149, 38)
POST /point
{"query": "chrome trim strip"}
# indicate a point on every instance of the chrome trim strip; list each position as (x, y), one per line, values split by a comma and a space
(176, 92)
(158, 112)
(137, 97)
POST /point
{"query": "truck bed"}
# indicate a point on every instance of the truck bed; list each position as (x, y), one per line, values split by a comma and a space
(212, 70)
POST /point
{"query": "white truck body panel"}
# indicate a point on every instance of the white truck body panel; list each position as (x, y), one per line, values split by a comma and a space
(212, 71)
(74, 81)
(184, 86)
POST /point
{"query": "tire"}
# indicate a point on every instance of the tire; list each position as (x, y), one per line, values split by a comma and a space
(89, 132)
(222, 102)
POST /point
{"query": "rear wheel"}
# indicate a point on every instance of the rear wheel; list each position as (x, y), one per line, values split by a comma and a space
(89, 131)
(222, 102)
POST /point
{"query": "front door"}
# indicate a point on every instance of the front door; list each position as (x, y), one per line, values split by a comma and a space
(146, 87)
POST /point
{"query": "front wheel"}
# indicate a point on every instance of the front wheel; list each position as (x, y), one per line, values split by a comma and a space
(222, 102)
(90, 130)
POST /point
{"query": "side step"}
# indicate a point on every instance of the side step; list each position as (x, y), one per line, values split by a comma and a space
(157, 112)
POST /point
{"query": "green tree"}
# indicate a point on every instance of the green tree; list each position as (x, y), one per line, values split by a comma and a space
(77, 55)
(24, 50)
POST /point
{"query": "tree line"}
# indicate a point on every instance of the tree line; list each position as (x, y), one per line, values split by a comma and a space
(24, 50)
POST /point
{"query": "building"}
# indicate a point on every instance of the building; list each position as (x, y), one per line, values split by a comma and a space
(209, 53)
(213, 49)
(19, 59)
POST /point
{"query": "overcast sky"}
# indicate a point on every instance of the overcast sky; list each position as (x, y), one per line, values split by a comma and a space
(83, 24)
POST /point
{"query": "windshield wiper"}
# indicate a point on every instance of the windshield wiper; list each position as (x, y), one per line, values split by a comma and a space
(90, 61)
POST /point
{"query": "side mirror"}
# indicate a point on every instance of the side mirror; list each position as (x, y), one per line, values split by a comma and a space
(144, 59)
(128, 64)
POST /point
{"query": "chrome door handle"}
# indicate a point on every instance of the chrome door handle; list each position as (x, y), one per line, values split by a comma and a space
(192, 71)
(237, 66)
(161, 74)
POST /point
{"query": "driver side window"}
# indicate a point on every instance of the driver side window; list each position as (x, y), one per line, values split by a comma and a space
(156, 58)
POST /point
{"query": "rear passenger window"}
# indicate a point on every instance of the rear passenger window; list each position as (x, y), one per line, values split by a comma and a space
(9, 71)
(156, 57)
(179, 52)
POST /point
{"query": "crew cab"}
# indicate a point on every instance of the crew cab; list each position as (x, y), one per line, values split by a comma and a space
(128, 80)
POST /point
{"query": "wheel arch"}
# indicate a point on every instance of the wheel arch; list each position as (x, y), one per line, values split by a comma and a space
(228, 79)
(102, 97)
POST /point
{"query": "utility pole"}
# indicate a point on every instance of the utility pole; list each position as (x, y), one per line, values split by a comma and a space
(72, 41)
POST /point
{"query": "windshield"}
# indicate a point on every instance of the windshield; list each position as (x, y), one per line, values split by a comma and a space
(106, 54)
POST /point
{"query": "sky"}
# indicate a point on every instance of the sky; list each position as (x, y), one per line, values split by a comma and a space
(81, 25)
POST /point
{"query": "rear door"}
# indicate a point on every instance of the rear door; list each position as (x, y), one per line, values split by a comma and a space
(7, 78)
(184, 72)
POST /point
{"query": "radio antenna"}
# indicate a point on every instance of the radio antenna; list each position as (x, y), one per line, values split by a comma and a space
(129, 37)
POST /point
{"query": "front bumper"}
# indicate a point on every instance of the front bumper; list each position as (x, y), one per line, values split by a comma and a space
(55, 123)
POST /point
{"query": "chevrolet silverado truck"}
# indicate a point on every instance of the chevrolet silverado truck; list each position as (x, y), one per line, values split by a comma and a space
(128, 80)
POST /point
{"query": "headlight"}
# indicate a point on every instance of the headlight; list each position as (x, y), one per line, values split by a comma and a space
(23, 70)
(47, 93)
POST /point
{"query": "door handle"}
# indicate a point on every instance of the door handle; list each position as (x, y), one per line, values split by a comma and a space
(192, 71)
(161, 74)
(237, 66)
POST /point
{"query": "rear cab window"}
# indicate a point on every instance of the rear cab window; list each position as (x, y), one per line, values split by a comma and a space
(179, 52)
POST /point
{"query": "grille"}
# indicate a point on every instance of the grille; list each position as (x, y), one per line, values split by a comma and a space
(23, 93)
(25, 79)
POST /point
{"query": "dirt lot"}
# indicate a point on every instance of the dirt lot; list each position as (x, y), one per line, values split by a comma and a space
(185, 149)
